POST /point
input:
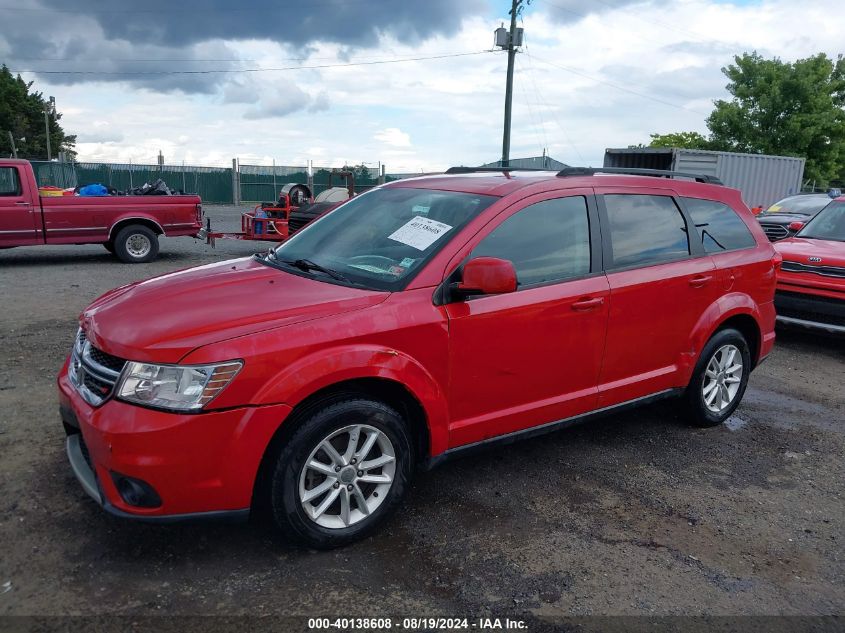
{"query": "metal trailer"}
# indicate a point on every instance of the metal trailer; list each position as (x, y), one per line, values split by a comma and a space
(762, 179)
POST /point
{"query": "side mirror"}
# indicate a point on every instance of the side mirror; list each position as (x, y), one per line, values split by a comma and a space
(486, 276)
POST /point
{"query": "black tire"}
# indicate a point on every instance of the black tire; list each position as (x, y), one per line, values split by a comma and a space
(695, 407)
(127, 241)
(289, 469)
(307, 214)
(109, 246)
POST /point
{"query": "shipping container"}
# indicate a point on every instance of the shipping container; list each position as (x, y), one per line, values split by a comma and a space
(762, 179)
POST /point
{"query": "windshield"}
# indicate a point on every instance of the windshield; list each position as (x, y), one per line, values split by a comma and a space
(800, 205)
(827, 225)
(380, 239)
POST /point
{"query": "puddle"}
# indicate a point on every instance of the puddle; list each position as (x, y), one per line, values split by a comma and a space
(735, 423)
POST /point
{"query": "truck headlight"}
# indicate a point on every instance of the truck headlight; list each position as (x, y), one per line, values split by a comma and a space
(176, 387)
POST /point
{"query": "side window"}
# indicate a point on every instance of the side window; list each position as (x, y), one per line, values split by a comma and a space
(546, 241)
(9, 183)
(645, 229)
(719, 227)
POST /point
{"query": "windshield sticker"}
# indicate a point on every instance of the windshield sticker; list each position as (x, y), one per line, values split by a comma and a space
(407, 262)
(419, 233)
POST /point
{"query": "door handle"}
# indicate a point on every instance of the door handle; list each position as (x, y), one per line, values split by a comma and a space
(583, 305)
(22, 203)
(700, 280)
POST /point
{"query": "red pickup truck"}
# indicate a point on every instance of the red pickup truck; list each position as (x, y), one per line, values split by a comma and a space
(127, 226)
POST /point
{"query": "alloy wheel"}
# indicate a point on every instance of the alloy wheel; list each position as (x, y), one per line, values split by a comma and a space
(722, 378)
(347, 476)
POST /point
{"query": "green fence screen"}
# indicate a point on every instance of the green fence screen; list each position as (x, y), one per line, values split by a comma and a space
(212, 184)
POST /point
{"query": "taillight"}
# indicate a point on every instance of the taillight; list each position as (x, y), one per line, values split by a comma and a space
(777, 260)
(199, 213)
(796, 226)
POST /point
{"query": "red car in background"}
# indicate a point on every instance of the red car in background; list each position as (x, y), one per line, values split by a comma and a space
(811, 282)
(416, 322)
(128, 226)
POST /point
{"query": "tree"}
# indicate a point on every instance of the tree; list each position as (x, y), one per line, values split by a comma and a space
(782, 108)
(687, 140)
(22, 114)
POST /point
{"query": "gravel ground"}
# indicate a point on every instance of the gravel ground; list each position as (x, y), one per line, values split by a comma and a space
(633, 514)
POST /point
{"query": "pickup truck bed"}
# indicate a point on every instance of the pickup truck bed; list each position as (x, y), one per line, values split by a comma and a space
(128, 226)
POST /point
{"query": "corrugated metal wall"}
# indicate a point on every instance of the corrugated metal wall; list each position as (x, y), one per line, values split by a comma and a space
(762, 179)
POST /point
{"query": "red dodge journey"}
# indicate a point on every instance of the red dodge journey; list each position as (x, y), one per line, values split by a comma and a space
(414, 323)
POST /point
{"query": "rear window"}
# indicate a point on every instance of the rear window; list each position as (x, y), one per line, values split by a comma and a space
(645, 229)
(9, 183)
(718, 226)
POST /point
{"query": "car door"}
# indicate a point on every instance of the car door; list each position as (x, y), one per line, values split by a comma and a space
(18, 218)
(661, 282)
(532, 356)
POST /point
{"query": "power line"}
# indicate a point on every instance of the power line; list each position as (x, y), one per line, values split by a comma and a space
(617, 86)
(135, 73)
(551, 108)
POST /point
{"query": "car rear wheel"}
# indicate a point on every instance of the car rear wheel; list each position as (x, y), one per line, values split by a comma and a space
(341, 473)
(719, 380)
(136, 244)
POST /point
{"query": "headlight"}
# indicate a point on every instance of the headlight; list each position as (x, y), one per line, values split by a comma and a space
(177, 387)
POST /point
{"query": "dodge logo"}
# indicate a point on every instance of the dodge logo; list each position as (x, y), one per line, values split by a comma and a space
(814, 259)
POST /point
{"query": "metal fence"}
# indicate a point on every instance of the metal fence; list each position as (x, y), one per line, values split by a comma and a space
(212, 184)
(222, 185)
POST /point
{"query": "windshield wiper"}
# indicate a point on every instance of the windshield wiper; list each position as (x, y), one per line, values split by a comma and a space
(307, 264)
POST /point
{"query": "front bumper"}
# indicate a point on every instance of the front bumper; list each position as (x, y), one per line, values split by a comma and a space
(200, 465)
(810, 311)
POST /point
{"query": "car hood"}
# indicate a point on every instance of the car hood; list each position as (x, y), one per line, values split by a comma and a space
(164, 318)
(799, 249)
(782, 218)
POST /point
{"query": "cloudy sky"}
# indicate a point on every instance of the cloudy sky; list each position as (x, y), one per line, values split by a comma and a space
(413, 84)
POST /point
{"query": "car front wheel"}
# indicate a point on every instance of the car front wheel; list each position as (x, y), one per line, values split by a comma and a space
(341, 473)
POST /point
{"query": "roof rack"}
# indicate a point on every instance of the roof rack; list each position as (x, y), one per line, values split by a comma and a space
(472, 170)
(634, 171)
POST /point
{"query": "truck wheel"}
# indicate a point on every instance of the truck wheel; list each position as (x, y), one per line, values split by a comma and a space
(719, 380)
(341, 473)
(136, 244)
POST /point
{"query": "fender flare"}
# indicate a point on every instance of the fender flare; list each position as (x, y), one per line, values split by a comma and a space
(332, 366)
(141, 218)
(725, 307)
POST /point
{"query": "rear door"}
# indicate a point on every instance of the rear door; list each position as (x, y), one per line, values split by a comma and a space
(532, 356)
(19, 219)
(661, 283)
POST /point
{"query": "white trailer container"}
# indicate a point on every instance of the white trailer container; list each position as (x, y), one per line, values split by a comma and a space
(762, 179)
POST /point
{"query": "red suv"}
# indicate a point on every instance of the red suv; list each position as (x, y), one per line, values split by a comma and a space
(416, 322)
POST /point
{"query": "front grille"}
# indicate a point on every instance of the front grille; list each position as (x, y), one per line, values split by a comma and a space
(107, 360)
(93, 372)
(826, 271)
(774, 232)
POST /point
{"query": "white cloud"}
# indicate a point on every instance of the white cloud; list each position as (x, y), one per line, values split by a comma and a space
(394, 137)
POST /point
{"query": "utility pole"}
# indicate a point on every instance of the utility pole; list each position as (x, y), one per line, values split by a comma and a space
(12, 141)
(48, 109)
(510, 41)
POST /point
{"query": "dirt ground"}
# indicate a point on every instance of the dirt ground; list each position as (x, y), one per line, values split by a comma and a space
(630, 515)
